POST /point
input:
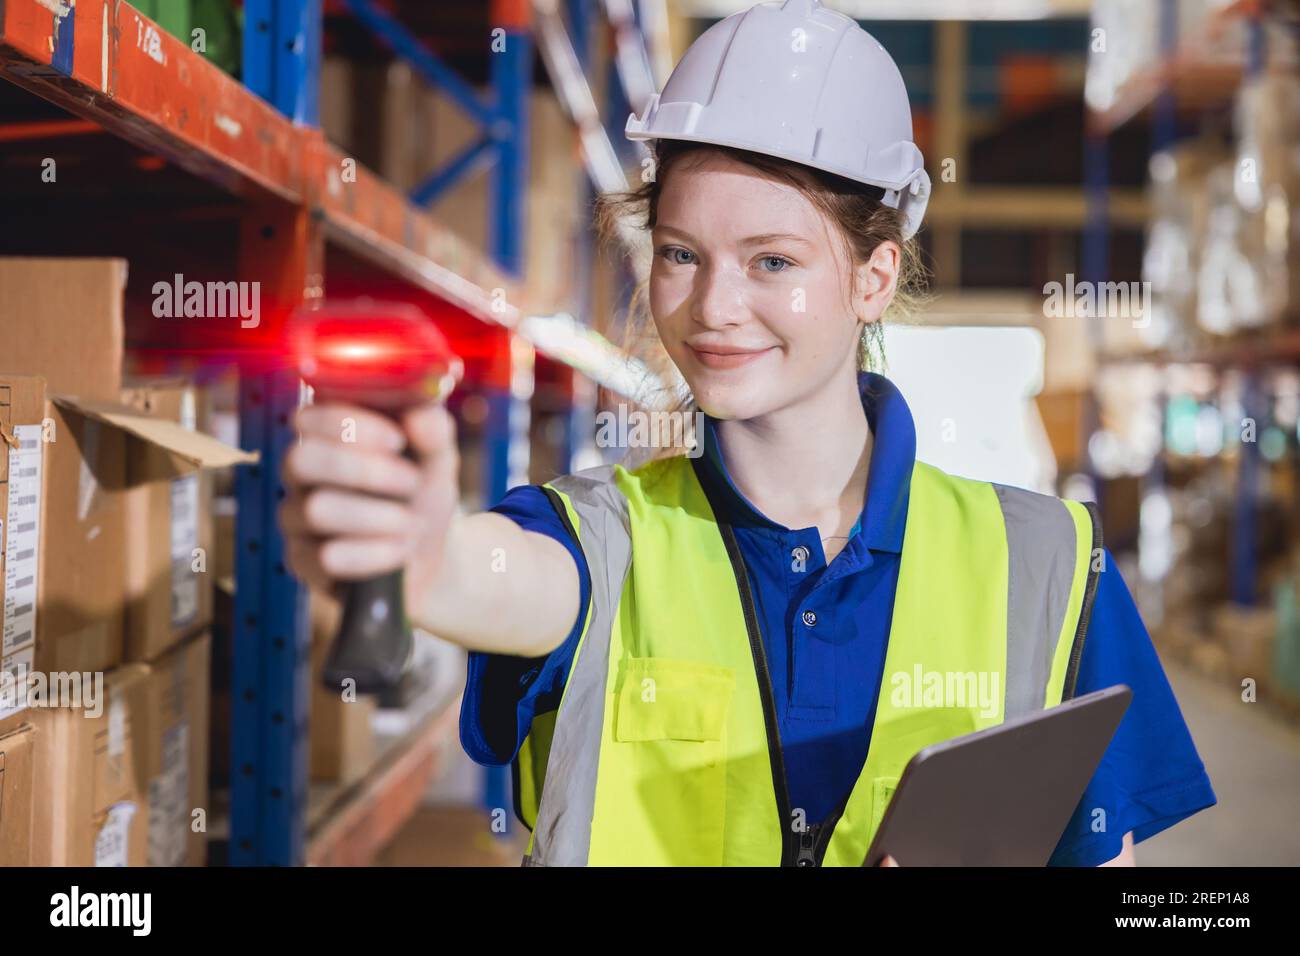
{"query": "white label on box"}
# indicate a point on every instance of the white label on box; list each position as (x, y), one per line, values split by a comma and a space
(169, 811)
(189, 410)
(22, 540)
(14, 671)
(185, 538)
(113, 842)
(116, 724)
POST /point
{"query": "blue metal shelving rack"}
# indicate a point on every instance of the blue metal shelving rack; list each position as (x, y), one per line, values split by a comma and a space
(270, 676)
(271, 647)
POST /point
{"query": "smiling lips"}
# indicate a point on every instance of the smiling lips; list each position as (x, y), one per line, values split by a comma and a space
(723, 356)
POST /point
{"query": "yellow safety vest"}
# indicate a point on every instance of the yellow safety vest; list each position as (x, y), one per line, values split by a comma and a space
(665, 749)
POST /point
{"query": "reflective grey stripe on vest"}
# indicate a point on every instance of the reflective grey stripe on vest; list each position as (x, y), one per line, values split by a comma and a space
(1041, 551)
(562, 835)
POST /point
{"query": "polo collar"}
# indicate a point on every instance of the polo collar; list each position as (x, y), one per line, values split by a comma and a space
(893, 454)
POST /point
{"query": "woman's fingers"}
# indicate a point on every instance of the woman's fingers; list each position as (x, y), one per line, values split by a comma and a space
(355, 506)
(431, 429)
(322, 562)
(354, 558)
(888, 861)
(351, 425)
(316, 461)
(329, 511)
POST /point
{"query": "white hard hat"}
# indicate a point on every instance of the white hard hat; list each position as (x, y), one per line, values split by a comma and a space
(801, 82)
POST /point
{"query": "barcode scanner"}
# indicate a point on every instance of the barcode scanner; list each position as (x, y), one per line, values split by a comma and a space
(387, 357)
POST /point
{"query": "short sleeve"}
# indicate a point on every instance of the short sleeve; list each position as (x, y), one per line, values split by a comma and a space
(1151, 776)
(504, 692)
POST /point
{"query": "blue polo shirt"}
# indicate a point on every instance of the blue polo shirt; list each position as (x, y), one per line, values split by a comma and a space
(826, 674)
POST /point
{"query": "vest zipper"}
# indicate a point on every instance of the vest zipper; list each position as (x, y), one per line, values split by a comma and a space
(808, 841)
(790, 842)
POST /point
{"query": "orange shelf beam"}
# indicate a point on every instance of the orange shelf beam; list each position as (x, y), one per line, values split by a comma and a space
(107, 63)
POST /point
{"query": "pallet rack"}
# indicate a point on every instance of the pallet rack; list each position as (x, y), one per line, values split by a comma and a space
(248, 164)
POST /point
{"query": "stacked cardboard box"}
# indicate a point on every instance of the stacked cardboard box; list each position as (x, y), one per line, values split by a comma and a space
(63, 321)
(22, 409)
(105, 521)
(1065, 418)
(175, 755)
(16, 796)
(388, 119)
(169, 517)
(342, 736)
(123, 781)
(91, 791)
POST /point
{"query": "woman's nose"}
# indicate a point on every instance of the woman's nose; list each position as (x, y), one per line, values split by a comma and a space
(719, 297)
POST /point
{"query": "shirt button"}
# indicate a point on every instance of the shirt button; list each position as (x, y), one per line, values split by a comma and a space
(800, 553)
(809, 618)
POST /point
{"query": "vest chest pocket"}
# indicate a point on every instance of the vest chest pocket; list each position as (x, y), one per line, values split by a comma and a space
(661, 698)
(670, 731)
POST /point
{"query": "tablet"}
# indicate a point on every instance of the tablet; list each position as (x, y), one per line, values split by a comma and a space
(1000, 796)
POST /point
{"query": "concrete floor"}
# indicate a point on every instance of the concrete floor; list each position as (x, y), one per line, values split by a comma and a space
(452, 836)
(1253, 758)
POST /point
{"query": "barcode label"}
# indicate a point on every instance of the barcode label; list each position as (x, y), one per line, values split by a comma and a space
(113, 842)
(23, 539)
(169, 812)
(19, 666)
(185, 538)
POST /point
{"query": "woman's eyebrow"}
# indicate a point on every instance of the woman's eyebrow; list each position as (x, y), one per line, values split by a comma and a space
(774, 237)
(747, 241)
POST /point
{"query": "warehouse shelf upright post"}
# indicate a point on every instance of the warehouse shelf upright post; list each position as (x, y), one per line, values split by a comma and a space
(272, 641)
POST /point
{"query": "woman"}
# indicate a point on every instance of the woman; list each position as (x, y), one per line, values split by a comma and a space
(718, 659)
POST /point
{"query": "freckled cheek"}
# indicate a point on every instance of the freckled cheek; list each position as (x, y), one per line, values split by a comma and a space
(670, 305)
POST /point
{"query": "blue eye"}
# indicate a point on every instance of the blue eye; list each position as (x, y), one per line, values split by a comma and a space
(668, 252)
(781, 261)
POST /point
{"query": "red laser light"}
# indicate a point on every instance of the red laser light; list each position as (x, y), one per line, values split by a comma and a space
(383, 355)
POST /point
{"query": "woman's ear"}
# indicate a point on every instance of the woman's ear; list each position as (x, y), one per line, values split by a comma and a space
(875, 281)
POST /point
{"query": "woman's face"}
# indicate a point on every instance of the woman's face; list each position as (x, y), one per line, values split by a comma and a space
(749, 289)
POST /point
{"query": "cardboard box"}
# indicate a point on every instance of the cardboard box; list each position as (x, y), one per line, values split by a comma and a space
(64, 534)
(169, 538)
(22, 408)
(63, 320)
(160, 451)
(91, 794)
(16, 796)
(83, 535)
(555, 216)
(1065, 418)
(176, 754)
(342, 738)
(1247, 635)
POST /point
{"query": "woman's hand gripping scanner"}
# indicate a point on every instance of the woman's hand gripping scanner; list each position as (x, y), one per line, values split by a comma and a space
(388, 358)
